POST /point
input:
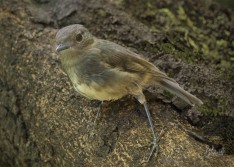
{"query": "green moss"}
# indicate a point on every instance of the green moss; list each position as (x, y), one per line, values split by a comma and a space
(183, 17)
(193, 44)
(225, 64)
(214, 107)
(227, 33)
(192, 38)
(168, 95)
(167, 48)
(168, 13)
(205, 49)
(181, 13)
(184, 53)
(222, 43)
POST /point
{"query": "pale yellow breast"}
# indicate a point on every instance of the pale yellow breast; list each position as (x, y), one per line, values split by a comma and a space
(123, 85)
(94, 92)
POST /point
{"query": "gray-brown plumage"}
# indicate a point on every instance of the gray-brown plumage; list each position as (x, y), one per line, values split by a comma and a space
(103, 70)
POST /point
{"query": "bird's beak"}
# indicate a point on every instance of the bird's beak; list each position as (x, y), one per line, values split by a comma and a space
(61, 47)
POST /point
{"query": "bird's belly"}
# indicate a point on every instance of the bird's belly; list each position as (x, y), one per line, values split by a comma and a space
(99, 93)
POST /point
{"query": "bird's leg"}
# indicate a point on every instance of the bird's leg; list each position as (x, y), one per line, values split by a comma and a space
(98, 112)
(155, 144)
(141, 98)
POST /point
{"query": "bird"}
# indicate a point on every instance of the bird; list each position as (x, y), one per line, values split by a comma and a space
(103, 70)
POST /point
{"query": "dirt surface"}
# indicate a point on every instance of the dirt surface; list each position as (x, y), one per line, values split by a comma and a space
(44, 122)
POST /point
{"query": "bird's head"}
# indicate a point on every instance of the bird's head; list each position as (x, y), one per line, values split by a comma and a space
(73, 36)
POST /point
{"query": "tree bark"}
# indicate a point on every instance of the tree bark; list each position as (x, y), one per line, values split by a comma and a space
(44, 122)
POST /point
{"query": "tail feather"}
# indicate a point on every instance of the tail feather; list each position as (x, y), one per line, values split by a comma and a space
(173, 87)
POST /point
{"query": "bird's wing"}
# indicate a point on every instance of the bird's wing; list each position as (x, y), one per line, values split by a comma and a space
(108, 67)
(125, 60)
(109, 63)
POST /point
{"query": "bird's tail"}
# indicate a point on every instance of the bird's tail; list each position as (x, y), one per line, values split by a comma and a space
(173, 87)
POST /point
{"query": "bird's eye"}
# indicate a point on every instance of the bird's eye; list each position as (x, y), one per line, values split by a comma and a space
(79, 37)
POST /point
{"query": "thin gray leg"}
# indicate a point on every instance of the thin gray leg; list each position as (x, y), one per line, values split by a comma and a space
(155, 144)
(98, 113)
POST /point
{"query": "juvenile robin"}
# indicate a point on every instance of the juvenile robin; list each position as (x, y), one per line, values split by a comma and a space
(103, 70)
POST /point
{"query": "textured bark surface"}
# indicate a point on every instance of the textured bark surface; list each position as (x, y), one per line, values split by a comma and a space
(43, 122)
